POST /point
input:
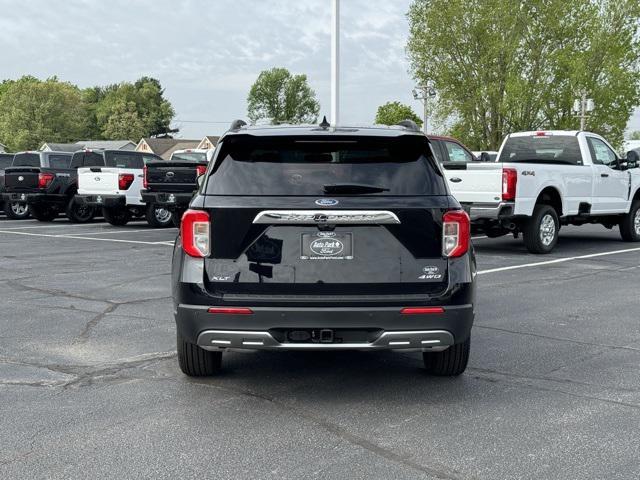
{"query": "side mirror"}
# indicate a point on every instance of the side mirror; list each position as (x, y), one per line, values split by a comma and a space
(484, 157)
(633, 159)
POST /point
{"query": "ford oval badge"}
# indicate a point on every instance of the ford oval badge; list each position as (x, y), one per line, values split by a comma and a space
(326, 202)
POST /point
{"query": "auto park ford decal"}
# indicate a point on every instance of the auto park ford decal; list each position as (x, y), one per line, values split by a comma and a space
(326, 246)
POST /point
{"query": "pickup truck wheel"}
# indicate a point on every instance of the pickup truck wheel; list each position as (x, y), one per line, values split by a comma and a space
(540, 232)
(195, 361)
(16, 211)
(42, 213)
(630, 224)
(450, 362)
(116, 216)
(158, 217)
(79, 213)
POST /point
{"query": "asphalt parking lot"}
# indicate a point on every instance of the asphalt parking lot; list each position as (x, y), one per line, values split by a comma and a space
(90, 387)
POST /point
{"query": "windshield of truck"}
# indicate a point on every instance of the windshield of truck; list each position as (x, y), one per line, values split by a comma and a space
(326, 165)
(557, 149)
(26, 160)
(189, 157)
(124, 160)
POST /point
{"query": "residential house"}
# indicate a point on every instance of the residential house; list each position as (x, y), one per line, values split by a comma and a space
(90, 144)
(165, 146)
(208, 142)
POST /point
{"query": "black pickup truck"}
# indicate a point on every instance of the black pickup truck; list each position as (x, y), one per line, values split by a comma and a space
(47, 183)
(13, 210)
(172, 184)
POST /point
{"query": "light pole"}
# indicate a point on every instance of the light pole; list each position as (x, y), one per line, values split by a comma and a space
(424, 93)
(335, 64)
(582, 107)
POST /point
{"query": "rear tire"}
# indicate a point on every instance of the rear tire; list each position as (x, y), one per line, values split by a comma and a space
(117, 216)
(43, 213)
(16, 211)
(630, 224)
(195, 361)
(540, 232)
(79, 213)
(450, 362)
(158, 217)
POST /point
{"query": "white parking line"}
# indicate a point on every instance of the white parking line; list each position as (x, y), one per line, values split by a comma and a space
(557, 260)
(58, 225)
(108, 232)
(77, 237)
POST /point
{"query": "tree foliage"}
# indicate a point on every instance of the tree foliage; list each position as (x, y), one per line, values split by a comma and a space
(280, 97)
(391, 113)
(34, 111)
(635, 135)
(503, 66)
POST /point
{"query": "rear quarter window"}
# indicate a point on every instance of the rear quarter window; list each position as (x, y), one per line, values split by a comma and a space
(5, 161)
(303, 166)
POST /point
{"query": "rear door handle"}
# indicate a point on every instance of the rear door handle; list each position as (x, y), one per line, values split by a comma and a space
(455, 180)
(604, 175)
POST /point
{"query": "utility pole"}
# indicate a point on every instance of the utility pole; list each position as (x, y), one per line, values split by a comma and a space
(335, 64)
(424, 93)
(582, 107)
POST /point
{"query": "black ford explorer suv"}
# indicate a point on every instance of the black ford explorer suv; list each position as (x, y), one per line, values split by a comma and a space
(320, 238)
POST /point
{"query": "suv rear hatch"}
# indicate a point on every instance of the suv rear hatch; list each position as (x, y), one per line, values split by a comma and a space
(326, 218)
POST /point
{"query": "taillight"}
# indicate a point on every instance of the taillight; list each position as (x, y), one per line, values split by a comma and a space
(125, 180)
(145, 183)
(456, 233)
(201, 170)
(509, 183)
(45, 179)
(194, 230)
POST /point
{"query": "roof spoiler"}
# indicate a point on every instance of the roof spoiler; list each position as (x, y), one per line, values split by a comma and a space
(409, 125)
(237, 124)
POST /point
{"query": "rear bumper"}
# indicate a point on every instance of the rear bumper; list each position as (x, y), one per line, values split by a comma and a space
(100, 200)
(354, 328)
(36, 198)
(170, 200)
(489, 211)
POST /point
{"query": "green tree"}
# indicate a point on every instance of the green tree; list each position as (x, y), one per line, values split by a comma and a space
(34, 111)
(635, 135)
(504, 66)
(129, 110)
(391, 113)
(281, 97)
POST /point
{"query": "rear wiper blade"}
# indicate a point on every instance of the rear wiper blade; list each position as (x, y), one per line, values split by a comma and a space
(353, 188)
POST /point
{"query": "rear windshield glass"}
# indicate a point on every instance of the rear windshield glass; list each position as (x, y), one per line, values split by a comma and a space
(124, 160)
(26, 160)
(315, 166)
(87, 159)
(189, 157)
(5, 161)
(542, 149)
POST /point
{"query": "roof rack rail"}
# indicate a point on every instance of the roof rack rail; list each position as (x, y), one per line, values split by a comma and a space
(409, 125)
(237, 124)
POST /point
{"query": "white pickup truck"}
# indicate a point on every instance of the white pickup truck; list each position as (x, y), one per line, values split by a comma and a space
(116, 187)
(542, 180)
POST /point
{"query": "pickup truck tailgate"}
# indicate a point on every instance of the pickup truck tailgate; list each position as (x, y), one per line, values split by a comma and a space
(98, 180)
(474, 182)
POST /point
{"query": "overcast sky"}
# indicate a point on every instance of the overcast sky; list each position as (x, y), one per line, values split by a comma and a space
(208, 53)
